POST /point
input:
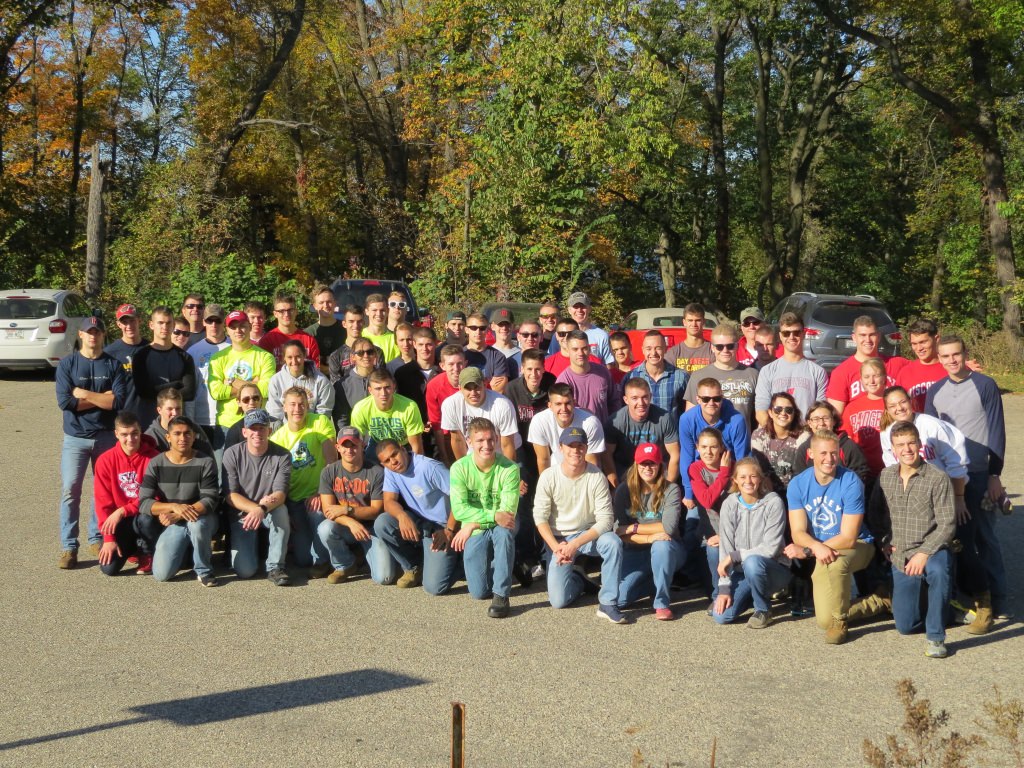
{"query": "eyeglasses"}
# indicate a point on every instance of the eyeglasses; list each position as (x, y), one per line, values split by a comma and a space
(789, 410)
(529, 335)
(364, 352)
(723, 347)
(251, 399)
(213, 321)
(284, 311)
(710, 399)
(195, 306)
(398, 305)
(818, 418)
(476, 327)
(176, 332)
(787, 334)
(751, 322)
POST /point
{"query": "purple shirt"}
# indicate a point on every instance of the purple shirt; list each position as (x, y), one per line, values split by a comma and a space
(590, 390)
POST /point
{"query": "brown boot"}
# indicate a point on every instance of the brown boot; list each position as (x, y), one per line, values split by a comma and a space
(982, 623)
(836, 632)
(868, 607)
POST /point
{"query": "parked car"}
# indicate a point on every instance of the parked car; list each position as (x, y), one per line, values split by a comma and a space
(356, 291)
(38, 327)
(521, 310)
(828, 322)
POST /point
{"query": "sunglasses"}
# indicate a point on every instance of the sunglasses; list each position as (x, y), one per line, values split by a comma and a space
(252, 399)
(285, 311)
(789, 410)
(751, 323)
(398, 305)
(476, 327)
(529, 335)
(364, 352)
(180, 333)
(562, 334)
(549, 317)
(710, 399)
(787, 334)
(213, 321)
(723, 347)
(195, 306)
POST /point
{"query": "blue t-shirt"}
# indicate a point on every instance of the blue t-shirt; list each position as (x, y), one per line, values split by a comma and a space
(423, 487)
(825, 505)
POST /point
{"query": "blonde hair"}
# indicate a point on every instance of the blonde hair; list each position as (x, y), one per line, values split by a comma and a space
(763, 488)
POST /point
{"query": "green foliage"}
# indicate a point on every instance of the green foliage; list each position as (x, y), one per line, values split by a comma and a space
(230, 281)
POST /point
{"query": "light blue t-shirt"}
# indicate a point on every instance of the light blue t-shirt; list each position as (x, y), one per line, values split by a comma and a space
(825, 505)
(423, 487)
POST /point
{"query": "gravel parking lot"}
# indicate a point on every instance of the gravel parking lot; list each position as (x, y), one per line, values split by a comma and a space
(126, 671)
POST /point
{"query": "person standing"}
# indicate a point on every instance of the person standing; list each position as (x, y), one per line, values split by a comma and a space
(125, 348)
(161, 365)
(667, 383)
(192, 311)
(203, 408)
(287, 313)
(233, 367)
(844, 383)
(738, 381)
(328, 332)
(792, 373)
(694, 351)
(591, 383)
(492, 363)
(377, 328)
(91, 388)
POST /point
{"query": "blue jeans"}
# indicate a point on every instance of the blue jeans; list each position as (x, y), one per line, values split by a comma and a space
(340, 544)
(488, 559)
(648, 570)
(986, 540)
(754, 582)
(174, 543)
(76, 456)
(307, 549)
(930, 591)
(711, 554)
(565, 585)
(439, 569)
(245, 544)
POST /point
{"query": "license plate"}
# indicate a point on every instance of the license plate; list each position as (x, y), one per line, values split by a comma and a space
(14, 334)
(849, 344)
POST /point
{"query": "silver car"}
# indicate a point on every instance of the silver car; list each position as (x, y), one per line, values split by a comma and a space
(828, 322)
(38, 327)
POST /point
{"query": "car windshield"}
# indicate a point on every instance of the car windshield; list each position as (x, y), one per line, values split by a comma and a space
(667, 321)
(843, 313)
(26, 309)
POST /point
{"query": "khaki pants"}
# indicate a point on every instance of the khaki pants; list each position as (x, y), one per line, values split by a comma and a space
(832, 582)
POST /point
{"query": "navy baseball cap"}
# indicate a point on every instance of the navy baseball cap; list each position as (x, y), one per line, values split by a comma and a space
(572, 435)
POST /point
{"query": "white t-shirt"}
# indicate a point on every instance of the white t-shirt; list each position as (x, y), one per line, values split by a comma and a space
(203, 410)
(456, 414)
(544, 430)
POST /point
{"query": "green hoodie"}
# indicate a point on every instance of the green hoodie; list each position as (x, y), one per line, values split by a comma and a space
(477, 495)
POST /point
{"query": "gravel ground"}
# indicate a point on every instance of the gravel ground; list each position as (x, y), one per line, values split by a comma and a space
(126, 671)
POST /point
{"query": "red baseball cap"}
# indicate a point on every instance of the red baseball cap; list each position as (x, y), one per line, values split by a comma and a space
(126, 310)
(647, 452)
(236, 317)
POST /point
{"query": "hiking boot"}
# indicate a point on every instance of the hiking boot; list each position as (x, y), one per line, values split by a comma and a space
(868, 607)
(982, 623)
(145, 565)
(278, 577)
(836, 632)
(499, 607)
(936, 649)
(339, 575)
(409, 579)
(759, 620)
(207, 580)
(590, 587)
(94, 548)
(612, 613)
(68, 560)
(320, 570)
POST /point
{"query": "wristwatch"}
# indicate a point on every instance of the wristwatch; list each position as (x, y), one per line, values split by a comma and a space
(264, 508)
(349, 510)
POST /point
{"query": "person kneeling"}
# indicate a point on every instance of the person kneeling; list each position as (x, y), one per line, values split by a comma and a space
(752, 536)
(257, 473)
(485, 497)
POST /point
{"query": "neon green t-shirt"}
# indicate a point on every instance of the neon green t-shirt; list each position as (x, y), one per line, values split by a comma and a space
(397, 424)
(306, 448)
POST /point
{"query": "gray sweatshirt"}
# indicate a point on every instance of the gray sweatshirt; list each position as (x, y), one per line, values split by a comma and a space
(321, 393)
(573, 505)
(760, 530)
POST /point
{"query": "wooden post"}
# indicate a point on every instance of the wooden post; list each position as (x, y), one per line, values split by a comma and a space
(96, 227)
(458, 735)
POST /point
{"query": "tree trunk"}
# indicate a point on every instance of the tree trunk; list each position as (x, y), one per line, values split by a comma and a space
(766, 181)
(723, 271)
(80, 58)
(935, 300)
(666, 258)
(96, 227)
(309, 224)
(222, 154)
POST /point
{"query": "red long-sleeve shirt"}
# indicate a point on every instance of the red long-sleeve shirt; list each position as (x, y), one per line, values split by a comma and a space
(117, 478)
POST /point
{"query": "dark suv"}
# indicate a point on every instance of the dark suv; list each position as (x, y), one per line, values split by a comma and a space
(356, 291)
(828, 320)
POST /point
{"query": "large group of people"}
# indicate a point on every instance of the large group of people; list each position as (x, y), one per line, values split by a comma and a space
(365, 444)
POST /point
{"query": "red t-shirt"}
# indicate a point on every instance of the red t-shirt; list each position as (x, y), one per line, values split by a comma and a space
(917, 378)
(272, 341)
(862, 421)
(438, 388)
(844, 382)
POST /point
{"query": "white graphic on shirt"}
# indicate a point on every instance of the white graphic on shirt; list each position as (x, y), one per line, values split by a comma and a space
(129, 483)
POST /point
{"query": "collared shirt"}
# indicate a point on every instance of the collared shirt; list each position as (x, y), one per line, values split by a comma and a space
(920, 513)
(667, 391)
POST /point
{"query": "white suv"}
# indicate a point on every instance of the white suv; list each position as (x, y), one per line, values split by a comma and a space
(38, 327)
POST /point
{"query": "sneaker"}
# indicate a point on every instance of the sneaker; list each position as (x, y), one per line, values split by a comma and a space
(409, 579)
(278, 577)
(664, 614)
(612, 613)
(936, 649)
(837, 632)
(759, 620)
(207, 580)
(523, 575)
(133, 560)
(339, 576)
(499, 607)
(68, 560)
(320, 570)
(590, 587)
(145, 565)
(538, 572)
